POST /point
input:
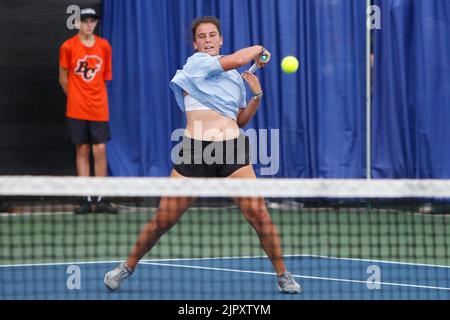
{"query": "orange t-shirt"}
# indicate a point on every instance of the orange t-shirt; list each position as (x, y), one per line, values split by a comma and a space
(89, 68)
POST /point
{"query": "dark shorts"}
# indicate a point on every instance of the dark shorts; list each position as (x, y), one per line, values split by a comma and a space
(88, 132)
(209, 159)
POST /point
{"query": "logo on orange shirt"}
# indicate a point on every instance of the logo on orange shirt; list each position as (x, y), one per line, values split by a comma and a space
(88, 67)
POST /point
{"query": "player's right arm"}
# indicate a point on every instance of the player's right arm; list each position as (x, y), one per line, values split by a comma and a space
(243, 57)
(63, 76)
(64, 64)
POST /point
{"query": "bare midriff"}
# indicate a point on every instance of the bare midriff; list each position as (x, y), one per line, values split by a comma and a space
(209, 125)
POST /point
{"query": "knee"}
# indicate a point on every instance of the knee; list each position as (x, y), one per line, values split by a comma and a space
(83, 150)
(99, 150)
(258, 216)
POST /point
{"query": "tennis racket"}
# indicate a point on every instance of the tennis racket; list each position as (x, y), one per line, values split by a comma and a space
(255, 67)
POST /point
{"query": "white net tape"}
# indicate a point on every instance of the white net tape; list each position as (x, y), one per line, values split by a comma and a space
(277, 188)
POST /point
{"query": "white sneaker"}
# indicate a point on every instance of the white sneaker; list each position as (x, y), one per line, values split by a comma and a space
(287, 284)
(115, 277)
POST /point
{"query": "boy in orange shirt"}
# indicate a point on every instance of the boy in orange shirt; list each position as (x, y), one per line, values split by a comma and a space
(85, 63)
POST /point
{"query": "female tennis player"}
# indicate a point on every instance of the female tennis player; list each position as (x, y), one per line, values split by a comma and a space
(212, 93)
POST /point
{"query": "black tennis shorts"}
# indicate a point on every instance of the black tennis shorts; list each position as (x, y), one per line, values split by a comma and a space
(88, 132)
(210, 159)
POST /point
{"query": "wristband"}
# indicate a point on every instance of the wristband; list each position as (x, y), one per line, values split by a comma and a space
(258, 96)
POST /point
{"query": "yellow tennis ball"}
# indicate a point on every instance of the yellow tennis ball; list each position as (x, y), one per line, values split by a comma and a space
(289, 64)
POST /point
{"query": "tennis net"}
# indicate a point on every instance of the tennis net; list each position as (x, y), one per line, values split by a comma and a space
(341, 239)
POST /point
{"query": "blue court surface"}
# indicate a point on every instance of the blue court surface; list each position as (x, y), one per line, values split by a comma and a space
(240, 278)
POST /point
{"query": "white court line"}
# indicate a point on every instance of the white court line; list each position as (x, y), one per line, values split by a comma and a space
(31, 214)
(56, 263)
(296, 276)
(223, 258)
(370, 260)
(118, 261)
(308, 256)
(156, 262)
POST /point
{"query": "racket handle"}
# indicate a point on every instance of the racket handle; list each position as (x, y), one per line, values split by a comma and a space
(254, 67)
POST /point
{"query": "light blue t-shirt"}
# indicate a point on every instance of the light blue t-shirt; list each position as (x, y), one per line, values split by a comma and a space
(205, 80)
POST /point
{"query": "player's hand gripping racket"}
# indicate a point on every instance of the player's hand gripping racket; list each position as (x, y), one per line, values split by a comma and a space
(254, 67)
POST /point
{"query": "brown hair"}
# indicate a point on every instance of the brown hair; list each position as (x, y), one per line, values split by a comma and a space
(204, 19)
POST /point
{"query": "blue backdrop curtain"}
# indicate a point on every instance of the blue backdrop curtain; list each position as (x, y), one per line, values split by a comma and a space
(320, 110)
(411, 107)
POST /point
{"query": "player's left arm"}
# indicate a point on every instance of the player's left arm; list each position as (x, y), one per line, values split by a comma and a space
(245, 115)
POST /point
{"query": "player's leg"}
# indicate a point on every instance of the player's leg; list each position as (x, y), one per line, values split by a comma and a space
(257, 214)
(83, 170)
(78, 134)
(82, 159)
(78, 131)
(169, 212)
(100, 134)
(100, 162)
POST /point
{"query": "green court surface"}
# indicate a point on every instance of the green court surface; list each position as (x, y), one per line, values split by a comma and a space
(223, 232)
(379, 234)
